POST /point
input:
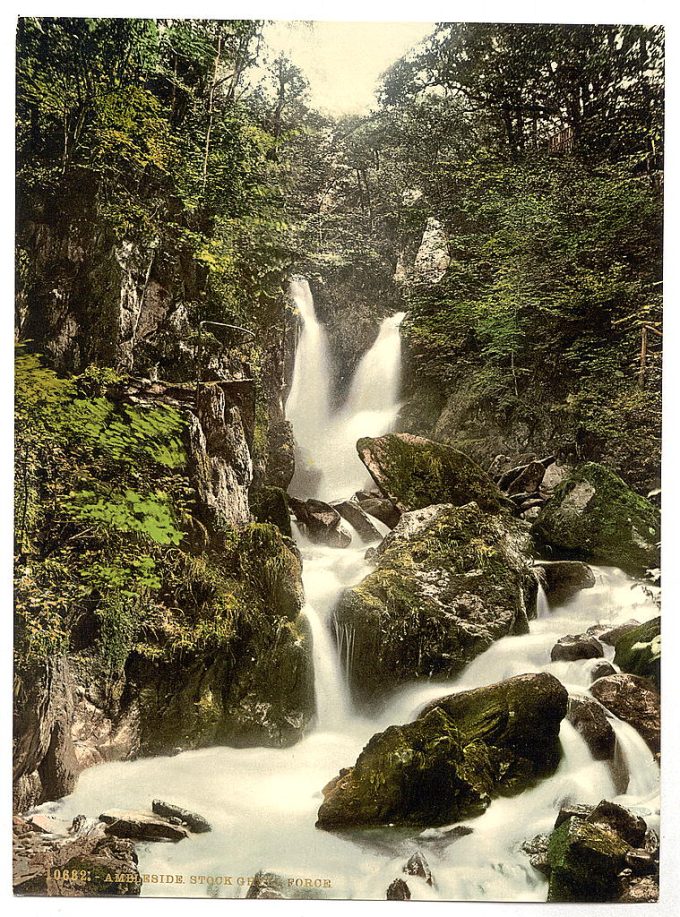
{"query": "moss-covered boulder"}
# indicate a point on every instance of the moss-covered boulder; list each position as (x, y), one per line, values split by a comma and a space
(449, 763)
(563, 579)
(638, 651)
(585, 860)
(448, 582)
(414, 472)
(594, 514)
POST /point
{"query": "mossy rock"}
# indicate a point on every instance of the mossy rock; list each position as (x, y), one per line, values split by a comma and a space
(594, 514)
(269, 504)
(448, 582)
(448, 765)
(585, 860)
(638, 651)
(414, 472)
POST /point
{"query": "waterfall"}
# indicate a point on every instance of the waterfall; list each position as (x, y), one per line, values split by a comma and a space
(327, 465)
(268, 798)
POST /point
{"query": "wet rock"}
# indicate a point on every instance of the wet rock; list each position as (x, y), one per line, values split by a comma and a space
(585, 861)
(398, 891)
(634, 700)
(266, 885)
(47, 824)
(352, 512)
(448, 764)
(140, 826)
(576, 646)
(417, 865)
(631, 828)
(270, 504)
(320, 522)
(590, 721)
(280, 455)
(601, 669)
(193, 822)
(563, 579)
(594, 514)
(641, 890)
(638, 651)
(448, 582)
(641, 862)
(414, 472)
(609, 635)
(537, 850)
(572, 810)
(379, 507)
(36, 854)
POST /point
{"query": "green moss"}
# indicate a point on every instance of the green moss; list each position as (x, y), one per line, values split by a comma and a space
(269, 504)
(416, 472)
(639, 651)
(585, 860)
(594, 514)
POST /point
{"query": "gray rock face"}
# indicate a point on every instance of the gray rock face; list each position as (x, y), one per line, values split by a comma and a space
(432, 259)
(417, 865)
(563, 579)
(448, 582)
(576, 646)
(590, 721)
(601, 669)
(634, 700)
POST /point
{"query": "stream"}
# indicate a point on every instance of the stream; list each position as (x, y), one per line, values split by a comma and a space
(262, 802)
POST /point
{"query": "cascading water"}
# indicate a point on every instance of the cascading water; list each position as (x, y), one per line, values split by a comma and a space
(262, 802)
(327, 465)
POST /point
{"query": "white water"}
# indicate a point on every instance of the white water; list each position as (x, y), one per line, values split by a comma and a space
(327, 465)
(263, 802)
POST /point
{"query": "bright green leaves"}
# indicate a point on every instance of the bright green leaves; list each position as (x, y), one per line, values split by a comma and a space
(126, 511)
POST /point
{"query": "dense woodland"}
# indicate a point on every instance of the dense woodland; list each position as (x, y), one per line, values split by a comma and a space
(153, 165)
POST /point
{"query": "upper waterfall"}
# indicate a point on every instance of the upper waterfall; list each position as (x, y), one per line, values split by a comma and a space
(326, 462)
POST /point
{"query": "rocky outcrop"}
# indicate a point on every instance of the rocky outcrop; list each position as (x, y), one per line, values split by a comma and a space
(140, 826)
(320, 522)
(453, 759)
(638, 651)
(576, 646)
(270, 504)
(191, 820)
(591, 851)
(448, 582)
(433, 258)
(634, 700)
(594, 514)
(414, 472)
(563, 579)
(110, 863)
(590, 721)
(398, 890)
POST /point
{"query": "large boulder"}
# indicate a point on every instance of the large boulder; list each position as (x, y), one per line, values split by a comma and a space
(634, 700)
(563, 579)
(639, 651)
(576, 646)
(594, 514)
(379, 507)
(353, 513)
(448, 582)
(454, 758)
(414, 472)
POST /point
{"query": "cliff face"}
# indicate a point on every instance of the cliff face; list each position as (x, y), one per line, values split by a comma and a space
(227, 657)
